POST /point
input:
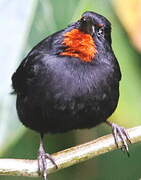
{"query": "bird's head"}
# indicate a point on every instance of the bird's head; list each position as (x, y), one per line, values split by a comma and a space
(95, 25)
(82, 37)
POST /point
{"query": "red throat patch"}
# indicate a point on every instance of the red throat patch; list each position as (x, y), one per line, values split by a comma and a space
(80, 45)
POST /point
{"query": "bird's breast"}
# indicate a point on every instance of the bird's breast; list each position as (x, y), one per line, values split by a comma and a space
(69, 86)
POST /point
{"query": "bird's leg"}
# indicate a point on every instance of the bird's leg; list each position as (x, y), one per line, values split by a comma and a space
(120, 133)
(42, 156)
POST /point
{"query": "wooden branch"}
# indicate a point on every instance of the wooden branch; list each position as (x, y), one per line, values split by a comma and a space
(66, 158)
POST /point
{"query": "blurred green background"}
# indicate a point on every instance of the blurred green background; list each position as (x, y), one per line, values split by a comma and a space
(22, 25)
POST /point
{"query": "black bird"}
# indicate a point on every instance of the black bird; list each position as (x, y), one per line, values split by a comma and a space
(70, 80)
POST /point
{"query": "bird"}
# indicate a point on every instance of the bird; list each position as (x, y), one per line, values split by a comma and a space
(70, 80)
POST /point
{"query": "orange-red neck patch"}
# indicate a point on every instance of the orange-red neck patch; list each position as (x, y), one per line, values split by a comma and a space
(80, 45)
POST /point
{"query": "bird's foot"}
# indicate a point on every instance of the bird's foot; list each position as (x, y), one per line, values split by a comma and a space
(42, 163)
(120, 133)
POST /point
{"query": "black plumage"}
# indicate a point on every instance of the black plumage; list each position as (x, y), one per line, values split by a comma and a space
(58, 93)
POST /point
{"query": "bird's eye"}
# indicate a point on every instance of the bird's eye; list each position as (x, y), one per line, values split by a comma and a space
(100, 32)
(83, 19)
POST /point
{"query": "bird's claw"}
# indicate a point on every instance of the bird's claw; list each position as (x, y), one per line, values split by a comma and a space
(48, 156)
(120, 133)
(42, 163)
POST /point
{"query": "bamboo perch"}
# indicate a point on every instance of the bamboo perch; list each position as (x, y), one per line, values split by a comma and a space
(66, 158)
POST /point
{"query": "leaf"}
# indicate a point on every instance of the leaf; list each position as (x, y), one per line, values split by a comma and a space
(15, 18)
(129, 13)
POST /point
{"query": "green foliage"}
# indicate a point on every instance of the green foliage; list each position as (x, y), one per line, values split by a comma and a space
(31, 21)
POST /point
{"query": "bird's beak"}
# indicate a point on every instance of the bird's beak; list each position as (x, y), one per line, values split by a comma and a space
(93, 30)
(87, 27)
